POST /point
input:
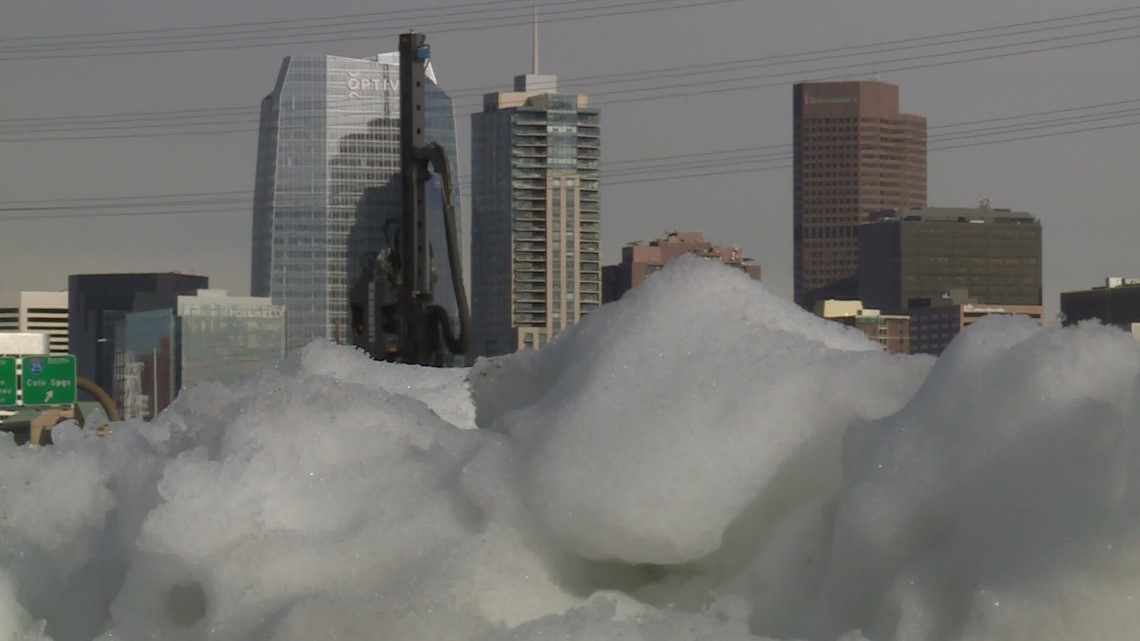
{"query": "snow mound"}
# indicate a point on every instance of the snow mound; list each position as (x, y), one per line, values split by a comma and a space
(697, 461)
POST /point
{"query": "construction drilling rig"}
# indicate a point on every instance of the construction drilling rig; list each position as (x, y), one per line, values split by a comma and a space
(394, 315)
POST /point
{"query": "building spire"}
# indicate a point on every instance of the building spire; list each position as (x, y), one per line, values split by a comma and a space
(535, 55)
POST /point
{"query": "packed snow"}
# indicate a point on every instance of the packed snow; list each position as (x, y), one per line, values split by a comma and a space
(700, 460)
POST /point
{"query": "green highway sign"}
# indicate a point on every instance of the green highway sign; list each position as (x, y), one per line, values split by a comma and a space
(49, 380)
(7, 381)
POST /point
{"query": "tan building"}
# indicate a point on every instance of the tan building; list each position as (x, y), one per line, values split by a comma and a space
(854, 153)
(535, 233)
(640, 259)
(44, 312)
(892, 331)
(932, 328)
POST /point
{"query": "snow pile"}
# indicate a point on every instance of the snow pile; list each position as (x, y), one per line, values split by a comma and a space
(698, 461)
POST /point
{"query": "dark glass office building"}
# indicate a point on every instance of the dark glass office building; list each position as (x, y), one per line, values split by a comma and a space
(97, 303)
(995, 254)
(328, 183)
(1116, 303)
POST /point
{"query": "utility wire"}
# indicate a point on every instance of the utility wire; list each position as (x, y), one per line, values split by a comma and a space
(76, 123)
(344, 35)
(388, 15)
(769, 162)
(233, 127)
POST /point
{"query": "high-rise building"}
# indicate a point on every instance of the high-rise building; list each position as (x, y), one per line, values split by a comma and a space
(920, 253)
(97, 303)
(854, 153)
(206, 337)
(640, 259)
(44, 312)
(328, 185)
(535, 231)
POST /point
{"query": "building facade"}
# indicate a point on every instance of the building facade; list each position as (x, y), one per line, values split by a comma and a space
(328, 185)
(1116, 303)
(535, 231)
(640, 259)
(36, 312)
(920, 253)
(97, 303)
(933, 328)
(854, 153)
(891, 331)
(205, 337)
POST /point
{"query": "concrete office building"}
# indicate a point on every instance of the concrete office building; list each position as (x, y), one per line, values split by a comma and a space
(934, 322)
(328, 183)
(97, 303)
(209, 336)
(891, 331)
(44, 312)
(854, 153)
(640, 259)
(1116, 303)
(535, 231)
(920, 253)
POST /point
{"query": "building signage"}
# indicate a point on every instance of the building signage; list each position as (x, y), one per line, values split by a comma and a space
(358, 83)
(49, 380)
(983, 310)
(7, 381)
(830, 100)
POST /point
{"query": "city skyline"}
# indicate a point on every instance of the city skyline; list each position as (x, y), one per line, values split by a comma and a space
(1075, 183)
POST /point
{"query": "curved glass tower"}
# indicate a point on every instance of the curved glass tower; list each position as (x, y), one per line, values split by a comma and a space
(328, 185)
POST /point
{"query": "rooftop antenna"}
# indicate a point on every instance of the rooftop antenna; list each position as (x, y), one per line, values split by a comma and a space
(535, 55)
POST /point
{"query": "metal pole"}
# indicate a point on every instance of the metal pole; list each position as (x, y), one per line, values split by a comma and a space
(415, 256)
(154, 383)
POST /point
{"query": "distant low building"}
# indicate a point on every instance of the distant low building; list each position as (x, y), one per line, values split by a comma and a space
(640, 259)
(97, 303)
(206, 337)
(1116, 303)
(892, 331)
(44, 312)
(935, 322)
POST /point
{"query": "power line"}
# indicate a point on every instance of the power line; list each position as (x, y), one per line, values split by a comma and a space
(233, 127)
(672, 72)
(731, 171)
(207, 203)
(371, 14)
(825, 71)
(854, 49)
(342, 35)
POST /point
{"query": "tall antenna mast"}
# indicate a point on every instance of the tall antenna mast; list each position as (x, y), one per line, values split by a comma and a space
(535, 72)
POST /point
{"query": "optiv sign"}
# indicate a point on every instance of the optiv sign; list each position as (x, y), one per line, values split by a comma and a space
(358, 83)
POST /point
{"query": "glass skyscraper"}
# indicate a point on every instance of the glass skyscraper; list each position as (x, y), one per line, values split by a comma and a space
(328, 185)
(535, 227)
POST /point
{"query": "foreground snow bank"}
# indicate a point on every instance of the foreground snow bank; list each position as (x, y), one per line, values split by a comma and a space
(698, 461)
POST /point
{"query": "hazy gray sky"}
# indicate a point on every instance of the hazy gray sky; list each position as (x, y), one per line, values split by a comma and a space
(1083, 186)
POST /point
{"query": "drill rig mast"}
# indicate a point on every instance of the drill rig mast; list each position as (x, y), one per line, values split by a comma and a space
(394, 316)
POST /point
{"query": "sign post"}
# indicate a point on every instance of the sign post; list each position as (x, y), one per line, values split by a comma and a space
(8, 395)
(49, 380)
